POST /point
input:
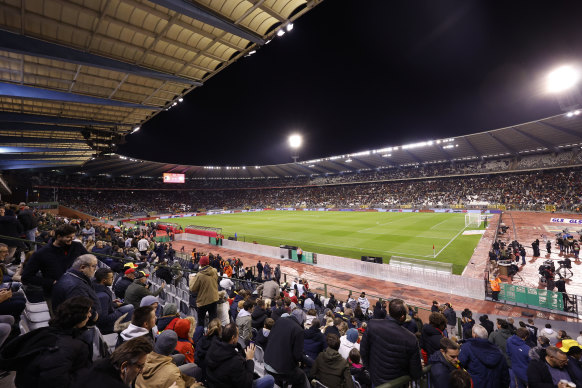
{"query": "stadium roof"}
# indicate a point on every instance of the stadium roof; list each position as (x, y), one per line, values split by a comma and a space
(551, 135)
(77, 76)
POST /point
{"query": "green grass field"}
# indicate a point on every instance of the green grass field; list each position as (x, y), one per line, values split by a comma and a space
(352, 234)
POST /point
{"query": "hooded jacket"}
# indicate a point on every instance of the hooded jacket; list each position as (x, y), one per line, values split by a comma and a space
(430, 339)
(243, 321)
(133, 331)
(313, 342)
(499, 338)
(184, 345)
(227, 366)
(332, 370)
(259, 315)
(551, 335)
(136, 291)
(518, 351)
(205, 286)
(485, 363)
(285, 349)
(161, 372)
(346, 346)
(440, 370)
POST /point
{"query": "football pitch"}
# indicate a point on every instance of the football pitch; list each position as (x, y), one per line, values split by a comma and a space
(352, 234)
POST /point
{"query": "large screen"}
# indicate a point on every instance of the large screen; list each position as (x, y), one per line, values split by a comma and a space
(173, 178)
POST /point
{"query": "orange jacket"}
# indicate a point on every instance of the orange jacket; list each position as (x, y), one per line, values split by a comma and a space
(495, 284)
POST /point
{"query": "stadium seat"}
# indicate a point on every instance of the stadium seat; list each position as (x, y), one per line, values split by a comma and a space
(259, 361)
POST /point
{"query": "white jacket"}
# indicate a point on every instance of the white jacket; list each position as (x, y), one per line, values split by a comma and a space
(346, 346)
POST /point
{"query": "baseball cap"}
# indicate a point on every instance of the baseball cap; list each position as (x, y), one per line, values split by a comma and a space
(141, 274)
(130, 265)
(129, 271)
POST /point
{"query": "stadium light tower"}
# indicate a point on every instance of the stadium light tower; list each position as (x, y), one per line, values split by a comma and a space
(563, 83)
(295, 142)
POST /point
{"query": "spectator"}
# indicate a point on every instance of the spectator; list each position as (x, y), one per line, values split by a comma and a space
(228, 365)
(121, 285)
(443, 362)
(262, 338)
(531, 334)
(451, 316)
(77, 282)
(549, 370)
(314, 341)
(550, 334)
(357, 370)
(330, 368)
(169, 316)
(363, 302)
(270, 289)
(486, 323)
(159, 370)
(535, 353)
(518, 352)
(259, 315)
(142, 323)
(484, 361)
(459, 378)
(574, 365)
(206, 287)
(499, 338)
(244, 320)
(348, 342)
(285, 351)
(222, 308)
(431, 334)
(121, 369)
(389, 350)
(137, 290)
(184, 328)
(110, 309)
(68, 356)
(213, 334)
(53, 260)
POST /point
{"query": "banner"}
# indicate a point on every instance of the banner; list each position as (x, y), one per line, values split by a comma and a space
(532, 296)
(566, 221)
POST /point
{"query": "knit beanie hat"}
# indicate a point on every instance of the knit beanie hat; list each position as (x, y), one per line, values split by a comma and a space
(166, 342)
(352, 335)
(204, 261)
(148, 300)
(299, 315)
(170, 309)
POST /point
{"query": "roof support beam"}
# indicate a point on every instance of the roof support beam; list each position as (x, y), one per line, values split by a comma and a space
(342, 167)
(504, 144)
(371, 166)
(38, 140)
(562, 129)
(541, 142)
(62, 151)
(26, 45)
(196, 12)
(413, 156)
(29, 118)
(471, 146)
(17, 165)
(20, 91)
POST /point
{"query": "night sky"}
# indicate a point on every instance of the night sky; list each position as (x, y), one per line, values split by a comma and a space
(358, 75)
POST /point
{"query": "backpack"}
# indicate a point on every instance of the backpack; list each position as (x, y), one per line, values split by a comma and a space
(22, 350)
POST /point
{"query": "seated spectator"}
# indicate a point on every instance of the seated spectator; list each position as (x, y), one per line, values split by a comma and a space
(443, 362)
(334, 329)
(169, 316)
(535, 353)
(184, 328)
(357, 369)
(121, 369)
(311, 316)
(244, 320)
(379, 311)
(142, 323)
(549, 369)
(223, 308)
(262, 338)
(330, 368)
(228, 365)
(460, 378)
(259, 315)
(12, 304)
(122, 283)
(348, 342)
(213, 334)
(160, 370)
(138, 289)
(110, 309)
(6, 323)
(314, 341)
(68, 357)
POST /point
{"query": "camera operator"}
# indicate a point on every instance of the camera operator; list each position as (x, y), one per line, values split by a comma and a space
(536, 248)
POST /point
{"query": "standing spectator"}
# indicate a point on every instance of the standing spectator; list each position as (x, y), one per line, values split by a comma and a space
(228, 365)
(259, 271)
(486, 323)
(29, 223)
(532, 332)
(495, 287)
(53, 260)
(484, 361)
(549, 370)
(285, 351)
(348, 342)
(443, 362)
(432, 333)
(550, 334)
(278, 273)
(259, 315)
(499, 338)
(435, 307)
(88, 234)
(121, 369)
(142, 246)
(244, 320)
(389, 350)
(270, 289)
(364, 302)
(451, 320)
(518, 351)
(267, 271)
(330, 368)
(206, 287)
(69, 355)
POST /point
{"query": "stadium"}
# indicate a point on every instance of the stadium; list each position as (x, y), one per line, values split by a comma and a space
(148, 260)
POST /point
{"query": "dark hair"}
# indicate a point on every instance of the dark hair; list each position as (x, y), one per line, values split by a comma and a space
(522, 333)
(574, 350)
(261, 303)
(354, 356)
(548, 326)
(460, 378)
(71, 312)
(102, 273)
(130, 351)
(448, 344)
(229, 332)
(333, 341)
(269, 322)
(316, 323)
(141, 315)
(397, 309)
(438, 320)
(503, 323)
(65, 230)
(248, 305)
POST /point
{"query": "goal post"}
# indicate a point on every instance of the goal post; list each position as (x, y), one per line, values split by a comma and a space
(473, 220)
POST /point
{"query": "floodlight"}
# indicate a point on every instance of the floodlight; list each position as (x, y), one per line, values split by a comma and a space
(576, 112)
(562, 78)
(180, 99)
(570, 114)
(295, 141)
(281, 32)
(289, 27)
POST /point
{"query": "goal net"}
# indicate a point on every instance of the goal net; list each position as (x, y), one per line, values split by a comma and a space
(473, 219)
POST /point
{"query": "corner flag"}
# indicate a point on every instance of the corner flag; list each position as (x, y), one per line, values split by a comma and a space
(433, 251)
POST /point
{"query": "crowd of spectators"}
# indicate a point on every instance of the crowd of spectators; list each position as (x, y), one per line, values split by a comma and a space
(526, 190)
